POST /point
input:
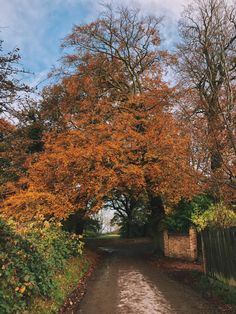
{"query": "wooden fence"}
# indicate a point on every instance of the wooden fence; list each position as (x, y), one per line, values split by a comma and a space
(219, 254)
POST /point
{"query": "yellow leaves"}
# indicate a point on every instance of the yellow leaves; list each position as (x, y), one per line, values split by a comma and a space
(28, 284)
(21, 289)
(46, 224)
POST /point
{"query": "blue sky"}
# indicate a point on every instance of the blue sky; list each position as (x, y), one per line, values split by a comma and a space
(38, 26)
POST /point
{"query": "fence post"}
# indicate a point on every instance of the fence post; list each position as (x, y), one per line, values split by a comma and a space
(203, 253)
(193, 243)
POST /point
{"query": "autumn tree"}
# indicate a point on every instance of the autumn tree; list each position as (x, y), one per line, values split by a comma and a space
(113, 132)
(207, 64)
(114, 57)
(128, 45)
(88, 167)
(18, 142)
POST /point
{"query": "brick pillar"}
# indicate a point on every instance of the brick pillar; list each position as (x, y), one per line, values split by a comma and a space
(193, 243)
(166, 243)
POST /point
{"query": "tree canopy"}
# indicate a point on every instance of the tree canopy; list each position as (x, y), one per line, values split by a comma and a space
(112, 132)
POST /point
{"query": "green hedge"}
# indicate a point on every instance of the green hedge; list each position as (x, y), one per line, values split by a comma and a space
(180, 218)
(28, 262)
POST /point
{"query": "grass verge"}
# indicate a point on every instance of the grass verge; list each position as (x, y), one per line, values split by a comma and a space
(66, 282)
(217, 289)
(108, 236)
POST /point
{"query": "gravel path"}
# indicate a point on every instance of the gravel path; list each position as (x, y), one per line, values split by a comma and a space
(126, 283)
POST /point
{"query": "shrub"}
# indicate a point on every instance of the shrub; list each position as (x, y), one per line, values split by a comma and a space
(27, 263)
(180, 219)
(216, 216)
(54, 244)
(23, 271)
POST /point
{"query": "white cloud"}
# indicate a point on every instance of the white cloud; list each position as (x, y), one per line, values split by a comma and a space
(170, 7)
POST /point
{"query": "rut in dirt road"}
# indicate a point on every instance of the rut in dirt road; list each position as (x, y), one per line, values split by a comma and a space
(126, 283)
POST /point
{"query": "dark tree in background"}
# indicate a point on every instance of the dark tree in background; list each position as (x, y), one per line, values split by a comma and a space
(21, 127)
(207, 63)
(10, 85)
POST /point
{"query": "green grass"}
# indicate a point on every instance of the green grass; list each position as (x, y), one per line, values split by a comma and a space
(66, 281)
(218, 289)
(108, 235)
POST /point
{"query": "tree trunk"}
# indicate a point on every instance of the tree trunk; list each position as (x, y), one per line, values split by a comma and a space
(129, 226)
(214, 138)
(157, 213)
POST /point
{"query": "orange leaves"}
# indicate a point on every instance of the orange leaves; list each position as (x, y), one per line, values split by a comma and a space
(113, 149)
(137, 150)
(132, 178)
(27, 205)
(5, 127)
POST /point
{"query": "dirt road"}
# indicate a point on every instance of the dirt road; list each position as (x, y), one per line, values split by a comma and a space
(127, 283)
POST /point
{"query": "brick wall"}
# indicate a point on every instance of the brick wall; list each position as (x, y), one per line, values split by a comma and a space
(181, 246)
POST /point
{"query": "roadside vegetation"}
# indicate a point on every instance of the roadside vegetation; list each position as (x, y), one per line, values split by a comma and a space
(36, 262)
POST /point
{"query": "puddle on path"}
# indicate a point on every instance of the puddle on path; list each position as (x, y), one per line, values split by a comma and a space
(138, 295)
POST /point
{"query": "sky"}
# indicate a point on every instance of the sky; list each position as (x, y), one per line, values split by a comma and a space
(37, 27)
